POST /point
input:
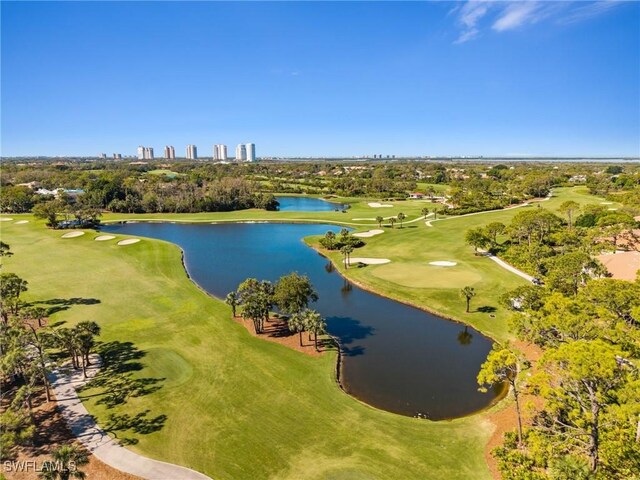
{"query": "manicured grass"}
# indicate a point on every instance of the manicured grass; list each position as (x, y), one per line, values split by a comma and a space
(166, 172)
(236, 406)
(239, 407)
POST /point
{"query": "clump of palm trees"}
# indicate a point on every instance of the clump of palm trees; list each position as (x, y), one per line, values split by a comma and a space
(291, 295)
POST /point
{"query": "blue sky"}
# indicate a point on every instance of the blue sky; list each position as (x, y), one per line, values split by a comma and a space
(322, 78)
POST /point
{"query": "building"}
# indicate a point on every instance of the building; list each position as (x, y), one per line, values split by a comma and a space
(103, 156)
(140, 152)
(169, 152)
(241, 153)
(192, 152)
(148, 153)
(117, 156)
(251, 152)
(219, 152)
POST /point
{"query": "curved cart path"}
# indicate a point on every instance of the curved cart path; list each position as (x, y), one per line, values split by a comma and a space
(98, 442)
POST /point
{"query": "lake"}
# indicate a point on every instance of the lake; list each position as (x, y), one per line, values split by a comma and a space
(306, 204)
(396, 357)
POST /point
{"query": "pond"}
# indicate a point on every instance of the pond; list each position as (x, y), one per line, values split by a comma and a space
(307, 204)
(395, 357)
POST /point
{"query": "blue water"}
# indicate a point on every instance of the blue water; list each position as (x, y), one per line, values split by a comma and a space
(397, 358)
(306, 204)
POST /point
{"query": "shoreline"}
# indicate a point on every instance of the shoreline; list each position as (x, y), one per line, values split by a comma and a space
(339, 360)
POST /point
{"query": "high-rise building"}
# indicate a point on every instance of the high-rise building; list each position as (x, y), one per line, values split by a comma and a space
(251, 152)
(192, 152)
(241, 152)
(117, 156)
(140, 152)
(169, 152)
(103, 156)
(219, 152)
(148, 153)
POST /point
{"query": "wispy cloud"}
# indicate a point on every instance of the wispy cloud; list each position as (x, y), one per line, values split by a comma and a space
(469, 16)
(590, 9)
(473, 16)
(516, 15)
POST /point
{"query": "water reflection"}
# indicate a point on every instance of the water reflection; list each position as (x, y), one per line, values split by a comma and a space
(396, 357)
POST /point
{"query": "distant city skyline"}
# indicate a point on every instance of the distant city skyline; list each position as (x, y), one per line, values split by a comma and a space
(326, 79)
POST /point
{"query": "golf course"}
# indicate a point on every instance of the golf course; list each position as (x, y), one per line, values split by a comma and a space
(235, 406)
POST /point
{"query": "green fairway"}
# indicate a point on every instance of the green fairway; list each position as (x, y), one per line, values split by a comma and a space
(239, 407)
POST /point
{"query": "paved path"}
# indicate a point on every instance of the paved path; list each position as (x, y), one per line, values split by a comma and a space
(98, 442)
(511, 268)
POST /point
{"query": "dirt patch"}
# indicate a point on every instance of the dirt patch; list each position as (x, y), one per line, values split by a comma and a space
(276, 330)
(52, 432)
(506, 420)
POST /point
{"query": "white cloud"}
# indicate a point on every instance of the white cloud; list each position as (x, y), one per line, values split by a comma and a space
(473, 16)
(516, 15)
(469, 15)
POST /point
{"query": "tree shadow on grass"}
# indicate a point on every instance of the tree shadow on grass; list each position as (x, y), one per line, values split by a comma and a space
(56, 305)
(486, 309)
(116, 378)
(140, 423)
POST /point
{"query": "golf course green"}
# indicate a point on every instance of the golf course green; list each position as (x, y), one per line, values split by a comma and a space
(234, 406)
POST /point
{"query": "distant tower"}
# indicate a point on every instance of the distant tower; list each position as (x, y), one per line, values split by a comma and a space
(220, 152)
(251, 152)
(147, 153)
(192, 152)
(169, 152)
(140, 152)
(241, 153)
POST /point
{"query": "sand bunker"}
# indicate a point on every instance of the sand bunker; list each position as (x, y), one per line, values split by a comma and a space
(21, 222)
(612, 209)
(379, 205)
(5, 219)
(443, 263)
(606, 203)
(128, 241)
(102, 238)
(72, 234)
(370, 233)
(369, 261)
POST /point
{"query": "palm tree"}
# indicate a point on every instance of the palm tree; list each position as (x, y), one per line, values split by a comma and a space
(297, 323)
(316, 324)
(64, 466)
(392, 221)
(379, 219)
(232, 299)
(330, 236)
(401, 217)
(468, 293)
(346, 252)
(425, 212)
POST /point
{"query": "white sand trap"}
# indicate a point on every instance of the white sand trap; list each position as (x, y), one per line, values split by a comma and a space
(102, 238)
(443, 263)
(370, 233)
(369, 261)
(72, 234)
(612, 209)
(606, 203)
(128, 241)
(379, 205)
(21, 222)
(5, 219)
